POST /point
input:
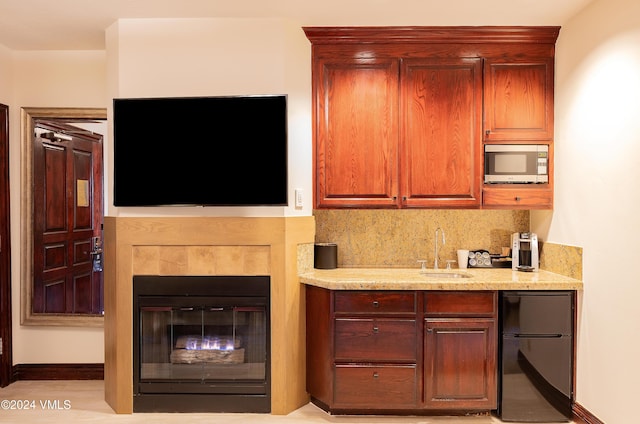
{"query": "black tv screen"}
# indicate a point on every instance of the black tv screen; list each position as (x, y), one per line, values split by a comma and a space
(208, 151)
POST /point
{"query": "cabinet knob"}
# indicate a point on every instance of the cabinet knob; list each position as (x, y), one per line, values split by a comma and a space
(375, 329)
(375, 375)
(487, 132)
(517, 198)
(375, 304)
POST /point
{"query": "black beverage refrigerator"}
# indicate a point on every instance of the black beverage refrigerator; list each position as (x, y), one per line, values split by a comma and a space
(536, 356)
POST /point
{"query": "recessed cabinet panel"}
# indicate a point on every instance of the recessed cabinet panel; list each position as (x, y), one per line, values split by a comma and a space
(375, 386)
(356, 132)
(375, 339)
(518, 198)
(460, 357)
(461, 303)
(518, 99)
(441, 138)
(375, 302)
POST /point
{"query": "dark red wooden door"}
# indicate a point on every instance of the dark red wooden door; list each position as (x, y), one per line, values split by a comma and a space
(68, 216)
(6, 358)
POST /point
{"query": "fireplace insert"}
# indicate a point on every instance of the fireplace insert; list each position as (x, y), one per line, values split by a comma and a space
(201, 344)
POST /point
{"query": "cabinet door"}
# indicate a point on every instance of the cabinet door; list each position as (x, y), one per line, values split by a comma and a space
(356, 132)
(518, 99)
(460, 363)
(441, 132)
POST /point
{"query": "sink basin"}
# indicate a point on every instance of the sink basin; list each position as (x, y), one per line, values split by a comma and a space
(445, 274)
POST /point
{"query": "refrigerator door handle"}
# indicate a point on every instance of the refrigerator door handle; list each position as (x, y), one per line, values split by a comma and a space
(537, 336)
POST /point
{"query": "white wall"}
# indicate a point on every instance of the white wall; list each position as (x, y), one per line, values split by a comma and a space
(597, 196)
(5, 75)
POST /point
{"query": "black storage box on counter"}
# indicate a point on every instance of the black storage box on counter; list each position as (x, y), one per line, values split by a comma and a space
(325, 255)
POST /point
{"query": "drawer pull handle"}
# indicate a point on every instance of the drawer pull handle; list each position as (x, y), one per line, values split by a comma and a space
(375, 304)
(375, 329)
(375, 375)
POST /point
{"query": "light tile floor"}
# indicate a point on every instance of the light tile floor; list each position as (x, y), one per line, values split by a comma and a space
(41, 402)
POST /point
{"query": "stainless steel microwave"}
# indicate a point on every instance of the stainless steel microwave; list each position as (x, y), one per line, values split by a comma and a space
(516, 163)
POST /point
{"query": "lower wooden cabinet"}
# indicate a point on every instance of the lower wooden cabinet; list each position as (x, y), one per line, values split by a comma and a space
(460, 362)
(401, 351)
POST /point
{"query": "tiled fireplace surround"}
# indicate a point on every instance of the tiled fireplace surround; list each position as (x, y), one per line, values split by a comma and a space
(207, 246)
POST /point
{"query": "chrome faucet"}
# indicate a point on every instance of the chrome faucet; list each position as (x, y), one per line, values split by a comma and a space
(435, 261)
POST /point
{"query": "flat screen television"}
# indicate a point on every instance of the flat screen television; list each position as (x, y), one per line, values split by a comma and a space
(206, 151)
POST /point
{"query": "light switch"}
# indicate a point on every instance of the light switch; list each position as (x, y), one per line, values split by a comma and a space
(298, 194)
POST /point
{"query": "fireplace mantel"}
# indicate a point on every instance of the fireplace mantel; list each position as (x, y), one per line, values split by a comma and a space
(207, 246)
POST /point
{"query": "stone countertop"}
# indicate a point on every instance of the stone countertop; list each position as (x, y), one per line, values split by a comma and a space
(413, 279)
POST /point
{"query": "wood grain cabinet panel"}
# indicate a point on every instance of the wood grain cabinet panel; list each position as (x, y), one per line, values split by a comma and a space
(460, 363)
(375, 386)
(356, 132)
(498, 197)
(375, 339)
(518, 99)
(375, 302)
(441, 132)
(461, 303)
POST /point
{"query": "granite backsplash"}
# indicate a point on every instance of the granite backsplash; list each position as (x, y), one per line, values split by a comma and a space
(399, 238)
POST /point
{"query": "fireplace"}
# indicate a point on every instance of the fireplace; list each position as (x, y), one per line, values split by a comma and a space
(201, 344)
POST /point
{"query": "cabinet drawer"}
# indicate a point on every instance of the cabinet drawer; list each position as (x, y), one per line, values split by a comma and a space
(375, 340)
(461, 303)
(518, 197)
(375, 387)
(374, 302)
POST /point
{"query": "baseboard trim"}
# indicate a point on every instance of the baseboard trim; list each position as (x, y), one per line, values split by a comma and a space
(58, 372)
(581, 415)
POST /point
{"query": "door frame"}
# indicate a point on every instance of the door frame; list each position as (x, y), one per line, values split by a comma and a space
(28, 118)
(6, 359)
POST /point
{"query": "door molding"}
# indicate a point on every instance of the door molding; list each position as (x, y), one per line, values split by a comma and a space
(6, 359)
(28, 116)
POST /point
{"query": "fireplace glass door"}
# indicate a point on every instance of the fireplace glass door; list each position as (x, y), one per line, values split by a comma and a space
(202, 344)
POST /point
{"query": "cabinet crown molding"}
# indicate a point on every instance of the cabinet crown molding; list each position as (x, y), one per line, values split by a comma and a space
(432, 34)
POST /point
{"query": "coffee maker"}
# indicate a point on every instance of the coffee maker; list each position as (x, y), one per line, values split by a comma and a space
(524, 252)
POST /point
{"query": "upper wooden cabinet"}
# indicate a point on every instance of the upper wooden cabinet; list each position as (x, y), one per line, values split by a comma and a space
(518, 99)
(356, 136)
(440, 164)
(401, 113)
